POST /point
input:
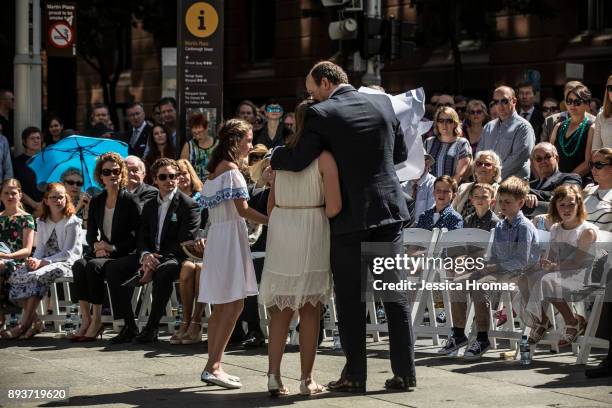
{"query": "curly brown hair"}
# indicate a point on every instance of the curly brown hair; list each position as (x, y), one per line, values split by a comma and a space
(114, 158)
(45, 211)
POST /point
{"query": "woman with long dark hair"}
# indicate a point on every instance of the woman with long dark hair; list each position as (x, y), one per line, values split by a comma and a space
(159, 145)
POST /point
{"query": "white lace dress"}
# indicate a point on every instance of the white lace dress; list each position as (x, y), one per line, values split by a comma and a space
(297, 267)
(227, 268)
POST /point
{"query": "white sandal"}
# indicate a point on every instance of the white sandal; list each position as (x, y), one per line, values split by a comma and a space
(579, 328)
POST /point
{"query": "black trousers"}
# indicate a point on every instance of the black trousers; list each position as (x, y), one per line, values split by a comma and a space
(89, 279)
(351, 310)
(163, 278)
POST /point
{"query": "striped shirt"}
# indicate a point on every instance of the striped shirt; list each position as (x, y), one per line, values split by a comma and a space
(598, 204)
(447, 155)
(513, 140)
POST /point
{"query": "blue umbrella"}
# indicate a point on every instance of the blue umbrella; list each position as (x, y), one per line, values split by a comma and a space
(78, 152)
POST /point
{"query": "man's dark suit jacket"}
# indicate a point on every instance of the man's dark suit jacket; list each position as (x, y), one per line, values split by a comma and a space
(181, 224)
(544, 191)
(537, 120)
(126, 223)
(144, 193)
(141, 144)
(365, 137)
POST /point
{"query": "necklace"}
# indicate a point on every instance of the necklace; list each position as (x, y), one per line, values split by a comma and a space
(577, 136)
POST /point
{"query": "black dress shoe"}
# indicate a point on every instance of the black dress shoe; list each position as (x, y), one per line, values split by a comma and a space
(126, 335)
(253, 340)
(604, 369)
(400, 383)
(348, 386)
(147, 335)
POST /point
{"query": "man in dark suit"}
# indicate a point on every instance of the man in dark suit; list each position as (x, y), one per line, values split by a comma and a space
(365, 137)
(139, 131)
(167, 221)
(527, 108)
(545, 161)
(136, 185)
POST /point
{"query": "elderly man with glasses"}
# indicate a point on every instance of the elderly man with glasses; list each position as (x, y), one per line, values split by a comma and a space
(510, 135)
(546, 167)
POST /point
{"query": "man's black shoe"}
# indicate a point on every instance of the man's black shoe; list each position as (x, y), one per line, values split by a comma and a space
(604, 369)
(126, 335)
(147, 335)
(348, 386)
(400, 383)
(253, 340)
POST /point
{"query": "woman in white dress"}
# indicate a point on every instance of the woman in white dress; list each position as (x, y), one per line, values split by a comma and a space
(563, 272)
(227, 275)
(297, 273)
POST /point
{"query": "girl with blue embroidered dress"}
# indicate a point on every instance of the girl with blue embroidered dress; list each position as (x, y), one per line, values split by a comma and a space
(228, 275)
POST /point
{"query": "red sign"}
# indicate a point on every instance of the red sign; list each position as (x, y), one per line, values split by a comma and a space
(60, 21)
(61, 35)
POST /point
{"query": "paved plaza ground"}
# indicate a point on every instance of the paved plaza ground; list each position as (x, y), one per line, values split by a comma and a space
(163, 375)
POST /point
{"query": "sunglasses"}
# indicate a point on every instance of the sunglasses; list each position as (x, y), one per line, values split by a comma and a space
(503, 101)
(574, 102)
(274, 109)
(540, 159)
(550, 108)
(108, 172)
(448, 121)
(485, 165)
(74, 183)
(164, 176)
(598, 165)
(476, 112)
(609, 88)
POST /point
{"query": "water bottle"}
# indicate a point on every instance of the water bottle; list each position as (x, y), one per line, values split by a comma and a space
(179, 318)
(69, 328)
(380, 314)
(525, 351)
(337, 344)
(13, 321)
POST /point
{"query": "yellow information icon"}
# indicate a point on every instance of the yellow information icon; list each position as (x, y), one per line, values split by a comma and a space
(202, 19)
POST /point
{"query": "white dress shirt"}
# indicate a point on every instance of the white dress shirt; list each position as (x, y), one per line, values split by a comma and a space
(164, 204)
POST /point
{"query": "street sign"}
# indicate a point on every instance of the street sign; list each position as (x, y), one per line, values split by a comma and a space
(200, 63)
(60, 23)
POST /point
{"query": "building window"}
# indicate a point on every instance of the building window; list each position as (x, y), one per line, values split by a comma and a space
(262, 29)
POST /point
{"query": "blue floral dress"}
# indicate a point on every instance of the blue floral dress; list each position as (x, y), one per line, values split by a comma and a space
(25, 283)
(11, 233)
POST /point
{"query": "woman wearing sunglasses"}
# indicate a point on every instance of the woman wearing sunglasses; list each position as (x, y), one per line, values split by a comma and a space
(72, 179)
(598, 203)
(574, 136)
(603, 122)
(450, 151)
(273, 133)
(114, 218)
(477, 117)
(486, 169)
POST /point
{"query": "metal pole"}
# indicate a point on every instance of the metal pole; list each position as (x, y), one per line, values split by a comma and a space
(372, 75)
(27, 69)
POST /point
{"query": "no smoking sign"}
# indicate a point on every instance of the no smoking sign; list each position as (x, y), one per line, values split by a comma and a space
(61, 35)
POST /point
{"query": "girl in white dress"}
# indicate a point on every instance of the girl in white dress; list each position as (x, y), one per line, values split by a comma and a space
(227, 275)
(563, 272)
(297, 273)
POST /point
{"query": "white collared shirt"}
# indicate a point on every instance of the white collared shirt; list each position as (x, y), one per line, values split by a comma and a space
(527, 113)
(162, 210)
(135, 136)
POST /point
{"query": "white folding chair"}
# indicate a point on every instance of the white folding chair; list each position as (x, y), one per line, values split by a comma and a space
(587, 341)
(448, 240)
